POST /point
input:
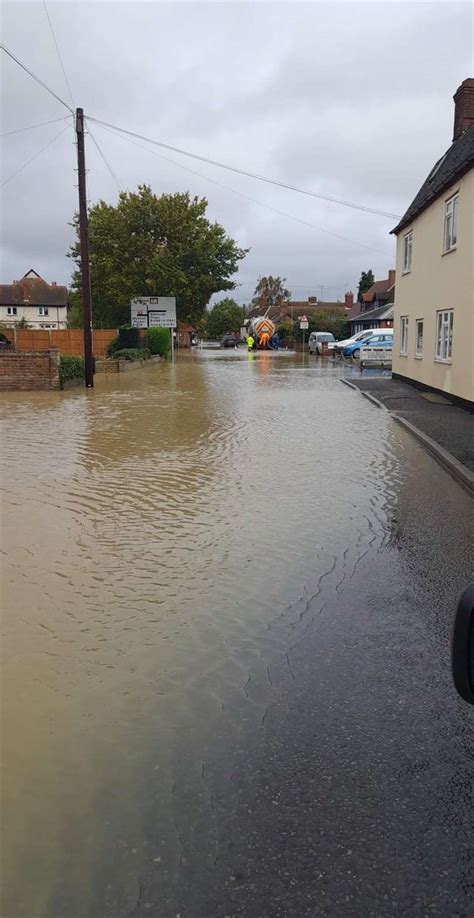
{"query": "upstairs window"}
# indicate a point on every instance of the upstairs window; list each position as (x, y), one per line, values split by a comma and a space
(444, 335)
(407, 250)
(43, 311)
(450, 223)
(11, 310)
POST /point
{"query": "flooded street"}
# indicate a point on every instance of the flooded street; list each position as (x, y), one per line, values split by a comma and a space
(228, 593)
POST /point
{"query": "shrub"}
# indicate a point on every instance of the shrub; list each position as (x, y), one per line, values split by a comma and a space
(70, 368)
(127, 338)
(159, 341)
(132, 353)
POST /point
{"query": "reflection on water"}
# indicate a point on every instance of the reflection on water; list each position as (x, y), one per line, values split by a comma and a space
(169, 537)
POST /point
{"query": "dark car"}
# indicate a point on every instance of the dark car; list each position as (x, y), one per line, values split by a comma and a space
(6, 344)
(230, 341)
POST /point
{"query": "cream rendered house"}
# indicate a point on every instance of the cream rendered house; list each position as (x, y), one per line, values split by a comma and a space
(434, 298)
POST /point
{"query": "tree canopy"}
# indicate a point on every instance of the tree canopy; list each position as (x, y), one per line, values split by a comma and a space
(270, 291)
(225, 316)
(147, 245)
(366, 280)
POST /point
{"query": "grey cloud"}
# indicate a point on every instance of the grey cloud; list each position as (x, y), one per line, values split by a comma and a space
(352, 99)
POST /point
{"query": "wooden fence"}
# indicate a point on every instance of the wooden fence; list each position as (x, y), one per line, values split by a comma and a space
(67, 340)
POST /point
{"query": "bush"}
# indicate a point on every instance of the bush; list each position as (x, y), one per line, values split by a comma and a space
(126, 339)
(159, 341)
(132, 353)
(70, 368)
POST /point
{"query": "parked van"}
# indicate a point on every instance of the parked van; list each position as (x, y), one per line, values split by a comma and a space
(316, 340)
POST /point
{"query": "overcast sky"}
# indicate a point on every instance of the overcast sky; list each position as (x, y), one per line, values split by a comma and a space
(353, 100)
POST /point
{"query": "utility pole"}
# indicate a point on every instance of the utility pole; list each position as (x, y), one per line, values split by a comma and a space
(84, 245)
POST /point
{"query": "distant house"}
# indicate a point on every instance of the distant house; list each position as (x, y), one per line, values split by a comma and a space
(434, 302)
(376, 308)
(294, 309)
(40, 304)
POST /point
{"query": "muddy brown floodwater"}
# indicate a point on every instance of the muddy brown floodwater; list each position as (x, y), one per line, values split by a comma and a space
(170, 538)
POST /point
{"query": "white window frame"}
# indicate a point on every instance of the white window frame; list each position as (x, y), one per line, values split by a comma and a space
(444, 335)
(43, 310)
(407, 251)
(404, 336)
(12, 310)
(451, 223)
(419, 350)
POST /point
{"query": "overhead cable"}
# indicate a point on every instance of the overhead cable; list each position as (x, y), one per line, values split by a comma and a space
(31, 126)
(102, 154)
(33, 75)
(20, 168)
(253, 200)
(59, 53)
(254, 175)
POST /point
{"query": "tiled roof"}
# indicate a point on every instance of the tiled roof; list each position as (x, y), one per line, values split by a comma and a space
(448, 170)
(33, 291)
(297, 308)
(382, 312)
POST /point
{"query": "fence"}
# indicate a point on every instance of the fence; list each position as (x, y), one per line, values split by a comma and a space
(67, 340)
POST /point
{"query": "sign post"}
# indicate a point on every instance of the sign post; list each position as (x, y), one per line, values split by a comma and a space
(154, 312)
(303, 327)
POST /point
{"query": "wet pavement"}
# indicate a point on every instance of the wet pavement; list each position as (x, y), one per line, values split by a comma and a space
(229, 588)
(449, 425)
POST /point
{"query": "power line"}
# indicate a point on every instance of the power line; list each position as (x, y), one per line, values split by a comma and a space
(59, 53)
(31, 126)
(109, 167)
(33, 75)
(253, 200)
(20, 168)
(261, 178)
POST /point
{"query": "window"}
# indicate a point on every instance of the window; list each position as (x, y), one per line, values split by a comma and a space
(43, 311)
(419, 338)
(444, 335)
(11, 311)
(407, 250)
(404, 336)
(450, 223)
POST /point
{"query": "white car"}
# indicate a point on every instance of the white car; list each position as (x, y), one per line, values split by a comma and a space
(316, 340)
(360, 336)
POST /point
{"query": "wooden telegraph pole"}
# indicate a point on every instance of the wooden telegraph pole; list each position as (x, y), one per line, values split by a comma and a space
(84, 245)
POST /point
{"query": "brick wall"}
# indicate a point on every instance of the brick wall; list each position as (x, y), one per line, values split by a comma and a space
(67, 340)
(29, 370)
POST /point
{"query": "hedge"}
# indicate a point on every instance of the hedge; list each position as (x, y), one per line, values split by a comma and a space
(70, 368)
(159, 341)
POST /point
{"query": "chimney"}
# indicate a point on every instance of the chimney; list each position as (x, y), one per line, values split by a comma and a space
(54, 284)
(349, 300)
(391, 277)
(463, 107)
(312, 300)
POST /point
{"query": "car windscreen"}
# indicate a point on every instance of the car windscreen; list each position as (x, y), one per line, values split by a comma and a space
(325, 337)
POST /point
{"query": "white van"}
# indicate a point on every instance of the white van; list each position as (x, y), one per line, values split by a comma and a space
(316, 339)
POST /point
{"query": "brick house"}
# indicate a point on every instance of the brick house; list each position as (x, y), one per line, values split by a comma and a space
(376, 308)
(291, 311)
(40, 304)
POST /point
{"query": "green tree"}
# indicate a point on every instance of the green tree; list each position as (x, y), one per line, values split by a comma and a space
(149, 246)
(226, 316)
(366, 280)
(270, 291)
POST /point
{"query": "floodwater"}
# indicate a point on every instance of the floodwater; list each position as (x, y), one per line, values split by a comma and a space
(177, 545)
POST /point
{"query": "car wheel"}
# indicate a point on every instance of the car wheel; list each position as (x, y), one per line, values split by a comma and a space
(356, 354)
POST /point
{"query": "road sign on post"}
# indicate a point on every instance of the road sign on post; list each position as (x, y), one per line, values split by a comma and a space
(153, 312)
(303, 327)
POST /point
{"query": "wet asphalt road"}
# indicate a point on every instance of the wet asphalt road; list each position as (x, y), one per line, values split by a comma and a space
(358, 799)
(232, 695)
